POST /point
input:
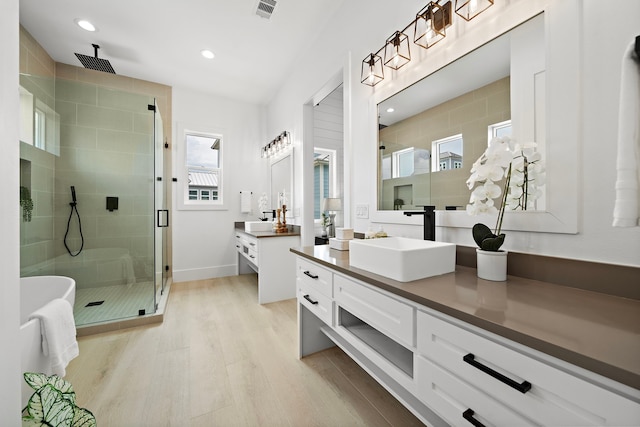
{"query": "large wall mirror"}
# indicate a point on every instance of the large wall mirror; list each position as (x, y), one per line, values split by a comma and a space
(282, 182)
(431, 132)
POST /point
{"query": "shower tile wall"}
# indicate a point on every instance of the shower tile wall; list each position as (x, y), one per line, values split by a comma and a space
(103, 147)
(37, 166)
(106, 149)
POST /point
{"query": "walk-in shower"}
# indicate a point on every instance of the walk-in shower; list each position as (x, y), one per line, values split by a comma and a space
(98, 152)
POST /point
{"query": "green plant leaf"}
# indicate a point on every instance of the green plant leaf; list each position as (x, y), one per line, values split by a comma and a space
(492, 243)
(49, 406)
(36, 380)
(83, 418)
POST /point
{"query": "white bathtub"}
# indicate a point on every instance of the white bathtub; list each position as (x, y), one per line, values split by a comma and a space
(35, 292)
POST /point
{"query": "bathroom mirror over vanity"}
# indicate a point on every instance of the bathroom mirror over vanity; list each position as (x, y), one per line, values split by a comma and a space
(281, 183)
(431, 132)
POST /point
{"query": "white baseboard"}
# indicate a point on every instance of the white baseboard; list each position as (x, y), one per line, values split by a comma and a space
(204, 273)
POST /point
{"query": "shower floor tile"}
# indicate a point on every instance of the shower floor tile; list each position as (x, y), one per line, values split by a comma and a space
(120, 302)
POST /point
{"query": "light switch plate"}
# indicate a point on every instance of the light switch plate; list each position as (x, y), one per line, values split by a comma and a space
(362, 211)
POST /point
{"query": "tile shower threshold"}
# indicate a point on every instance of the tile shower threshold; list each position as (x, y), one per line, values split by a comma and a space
(132, 322)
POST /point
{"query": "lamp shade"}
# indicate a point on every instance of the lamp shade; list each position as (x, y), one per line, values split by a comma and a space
(396, 50)
(469, 9)
(430, 23)
(372, 72)
(331, 204)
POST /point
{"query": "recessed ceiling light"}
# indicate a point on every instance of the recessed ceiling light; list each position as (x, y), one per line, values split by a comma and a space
(390, 110)
(85, 25)
(207, 53)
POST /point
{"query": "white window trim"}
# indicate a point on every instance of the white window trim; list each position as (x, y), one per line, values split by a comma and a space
(182, 189)
(395, 162)
(493, 129)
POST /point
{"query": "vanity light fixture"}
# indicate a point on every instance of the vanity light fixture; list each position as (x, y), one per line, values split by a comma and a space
(429, 28)
(396, 50)
(372, 72)
(469, 9)
(430, 24)
(277, 145)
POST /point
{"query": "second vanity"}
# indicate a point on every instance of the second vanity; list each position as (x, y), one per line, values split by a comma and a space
(458, 350)
(267, 253)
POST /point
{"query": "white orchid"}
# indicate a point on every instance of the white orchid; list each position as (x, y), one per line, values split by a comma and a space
(521, 167)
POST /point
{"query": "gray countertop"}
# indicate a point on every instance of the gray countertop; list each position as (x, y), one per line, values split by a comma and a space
(595, 331)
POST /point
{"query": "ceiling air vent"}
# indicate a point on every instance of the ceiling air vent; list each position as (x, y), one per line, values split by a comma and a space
(265, 8)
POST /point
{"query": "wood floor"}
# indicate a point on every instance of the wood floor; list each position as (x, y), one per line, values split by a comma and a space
(221, 359)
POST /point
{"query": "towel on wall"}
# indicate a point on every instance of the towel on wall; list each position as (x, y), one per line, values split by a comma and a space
(58, 330)
(245, 201)
(626, 210)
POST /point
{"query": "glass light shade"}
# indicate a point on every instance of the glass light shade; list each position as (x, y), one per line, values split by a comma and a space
(372, 72)
(469, 9)
(331, 204)
(430, 25)
(396, 51)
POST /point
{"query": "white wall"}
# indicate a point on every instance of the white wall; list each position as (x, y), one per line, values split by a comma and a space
(360, 28)
(10, 376)
(203, 241)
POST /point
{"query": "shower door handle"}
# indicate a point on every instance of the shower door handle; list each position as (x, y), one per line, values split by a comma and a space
(160, 216)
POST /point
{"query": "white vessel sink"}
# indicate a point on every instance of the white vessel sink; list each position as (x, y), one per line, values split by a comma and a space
(250, 226)
(401, 258)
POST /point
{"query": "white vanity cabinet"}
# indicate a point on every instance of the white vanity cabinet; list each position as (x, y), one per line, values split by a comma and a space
(447, 371)
(509, 387)
(315, 289)
(269, 256)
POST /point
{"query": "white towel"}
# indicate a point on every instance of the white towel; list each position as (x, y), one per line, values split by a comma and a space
(58, 331)
(127, 270)
(245, 201)
(626, 210)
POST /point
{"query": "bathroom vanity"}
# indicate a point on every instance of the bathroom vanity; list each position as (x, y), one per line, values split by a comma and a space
(458, 350)
(267, 253)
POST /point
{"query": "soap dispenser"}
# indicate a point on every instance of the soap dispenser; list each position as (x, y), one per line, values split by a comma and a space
(369, 234)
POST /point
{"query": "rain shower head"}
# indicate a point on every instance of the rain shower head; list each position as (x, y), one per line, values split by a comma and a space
(95, 63)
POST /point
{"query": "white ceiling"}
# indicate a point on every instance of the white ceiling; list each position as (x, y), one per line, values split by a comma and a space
(161, 40)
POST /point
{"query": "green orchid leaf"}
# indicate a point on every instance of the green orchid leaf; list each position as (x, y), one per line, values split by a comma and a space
(83, 418)
(481, 232)
(49, 406)
(492, 243)
(30, 422)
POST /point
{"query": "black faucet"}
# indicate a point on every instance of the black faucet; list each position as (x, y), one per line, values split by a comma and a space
(429, 227)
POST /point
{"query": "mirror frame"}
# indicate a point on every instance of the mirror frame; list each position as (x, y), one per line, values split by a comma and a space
(562, 92)
(276, 161)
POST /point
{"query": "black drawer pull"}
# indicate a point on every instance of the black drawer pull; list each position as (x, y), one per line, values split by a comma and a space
(310, 300)
(468, 415)
(310, 275)
(523, 387)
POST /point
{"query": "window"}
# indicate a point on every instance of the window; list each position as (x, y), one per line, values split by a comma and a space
(402, 163)
(203, 169)
(323, 170)
(40, 129)
(448, 153)
(498, 130)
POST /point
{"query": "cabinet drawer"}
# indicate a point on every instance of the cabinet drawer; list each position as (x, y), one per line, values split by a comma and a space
(318, 303)
(453, 399)
(555, 397)
(390, 316)
(316, 277)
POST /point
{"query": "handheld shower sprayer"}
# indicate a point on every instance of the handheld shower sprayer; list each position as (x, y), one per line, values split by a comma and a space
(74, 206)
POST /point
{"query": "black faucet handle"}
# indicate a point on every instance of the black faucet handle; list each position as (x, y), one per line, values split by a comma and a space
(427, 207)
